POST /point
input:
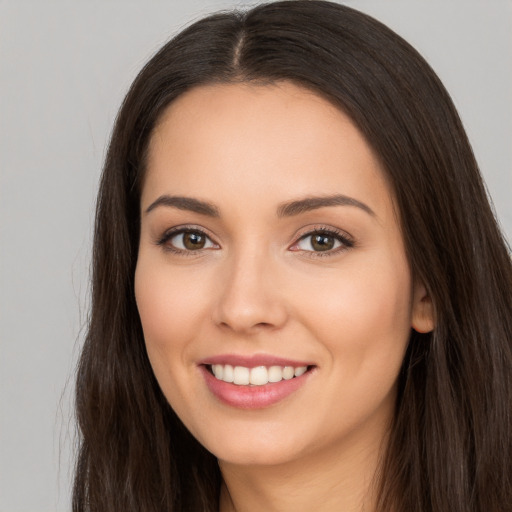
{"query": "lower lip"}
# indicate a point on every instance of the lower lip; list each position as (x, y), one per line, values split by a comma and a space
(252, 397)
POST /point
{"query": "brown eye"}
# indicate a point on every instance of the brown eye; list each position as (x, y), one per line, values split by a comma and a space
(321, 242)
(193, 241)
(189, 241)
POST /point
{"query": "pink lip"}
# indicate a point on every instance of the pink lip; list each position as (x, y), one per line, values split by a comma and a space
(253, 361)
(252, 397)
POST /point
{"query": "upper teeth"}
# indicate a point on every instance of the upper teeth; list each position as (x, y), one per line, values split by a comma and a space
(257, 376)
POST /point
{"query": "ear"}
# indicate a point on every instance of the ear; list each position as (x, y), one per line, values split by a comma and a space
(422, 316)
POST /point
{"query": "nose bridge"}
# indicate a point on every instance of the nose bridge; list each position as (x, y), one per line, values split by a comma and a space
(249, 299)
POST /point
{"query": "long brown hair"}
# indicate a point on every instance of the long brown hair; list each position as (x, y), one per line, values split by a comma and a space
(451, 442)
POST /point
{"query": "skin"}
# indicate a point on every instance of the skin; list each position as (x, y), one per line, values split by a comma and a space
(258, 287)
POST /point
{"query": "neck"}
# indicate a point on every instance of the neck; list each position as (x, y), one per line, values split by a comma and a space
(341, 478)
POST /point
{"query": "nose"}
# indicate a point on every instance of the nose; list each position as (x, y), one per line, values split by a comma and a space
(250, 299)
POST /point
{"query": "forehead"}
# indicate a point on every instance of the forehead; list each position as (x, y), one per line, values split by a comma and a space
(247, 140)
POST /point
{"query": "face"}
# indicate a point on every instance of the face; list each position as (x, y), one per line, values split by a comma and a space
(271, 255)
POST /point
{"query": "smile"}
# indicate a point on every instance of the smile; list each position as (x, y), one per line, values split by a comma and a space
(256, 376)
(254, 382)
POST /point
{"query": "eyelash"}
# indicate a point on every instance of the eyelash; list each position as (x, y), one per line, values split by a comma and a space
(346, 242)
(171, 233)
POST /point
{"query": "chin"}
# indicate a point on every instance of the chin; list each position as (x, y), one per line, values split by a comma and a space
(255, 449)
(255, 457)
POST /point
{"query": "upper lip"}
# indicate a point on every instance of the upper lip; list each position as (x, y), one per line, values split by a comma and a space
(253, 360)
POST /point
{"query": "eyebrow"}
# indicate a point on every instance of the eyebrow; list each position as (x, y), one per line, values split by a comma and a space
(185, 203)
(289, 209)
(313, 203)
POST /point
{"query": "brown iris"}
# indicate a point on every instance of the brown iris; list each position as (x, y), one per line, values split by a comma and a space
(192, 240)
(322, 242)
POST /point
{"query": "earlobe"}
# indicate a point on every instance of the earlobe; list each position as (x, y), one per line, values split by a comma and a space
(422, 317)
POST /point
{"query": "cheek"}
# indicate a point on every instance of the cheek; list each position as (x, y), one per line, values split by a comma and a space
(363, 312)
(169, 310)
(362, 319)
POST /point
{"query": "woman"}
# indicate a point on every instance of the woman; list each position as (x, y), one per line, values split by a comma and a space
(300, 294)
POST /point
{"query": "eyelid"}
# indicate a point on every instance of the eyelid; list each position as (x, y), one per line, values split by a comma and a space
(347, 241)
(185, 228)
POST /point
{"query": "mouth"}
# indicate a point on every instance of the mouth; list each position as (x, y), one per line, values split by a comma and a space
(257, 375)
(255, 382)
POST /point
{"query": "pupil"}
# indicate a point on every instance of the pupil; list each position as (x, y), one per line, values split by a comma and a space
(193, 241)
(322, 242)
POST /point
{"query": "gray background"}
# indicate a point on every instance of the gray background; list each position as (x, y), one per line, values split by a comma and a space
(64, 68)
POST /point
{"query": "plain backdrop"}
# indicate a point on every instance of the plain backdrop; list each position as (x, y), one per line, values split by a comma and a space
(64, 68)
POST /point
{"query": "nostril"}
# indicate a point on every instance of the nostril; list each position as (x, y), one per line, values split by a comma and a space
(263, 324)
